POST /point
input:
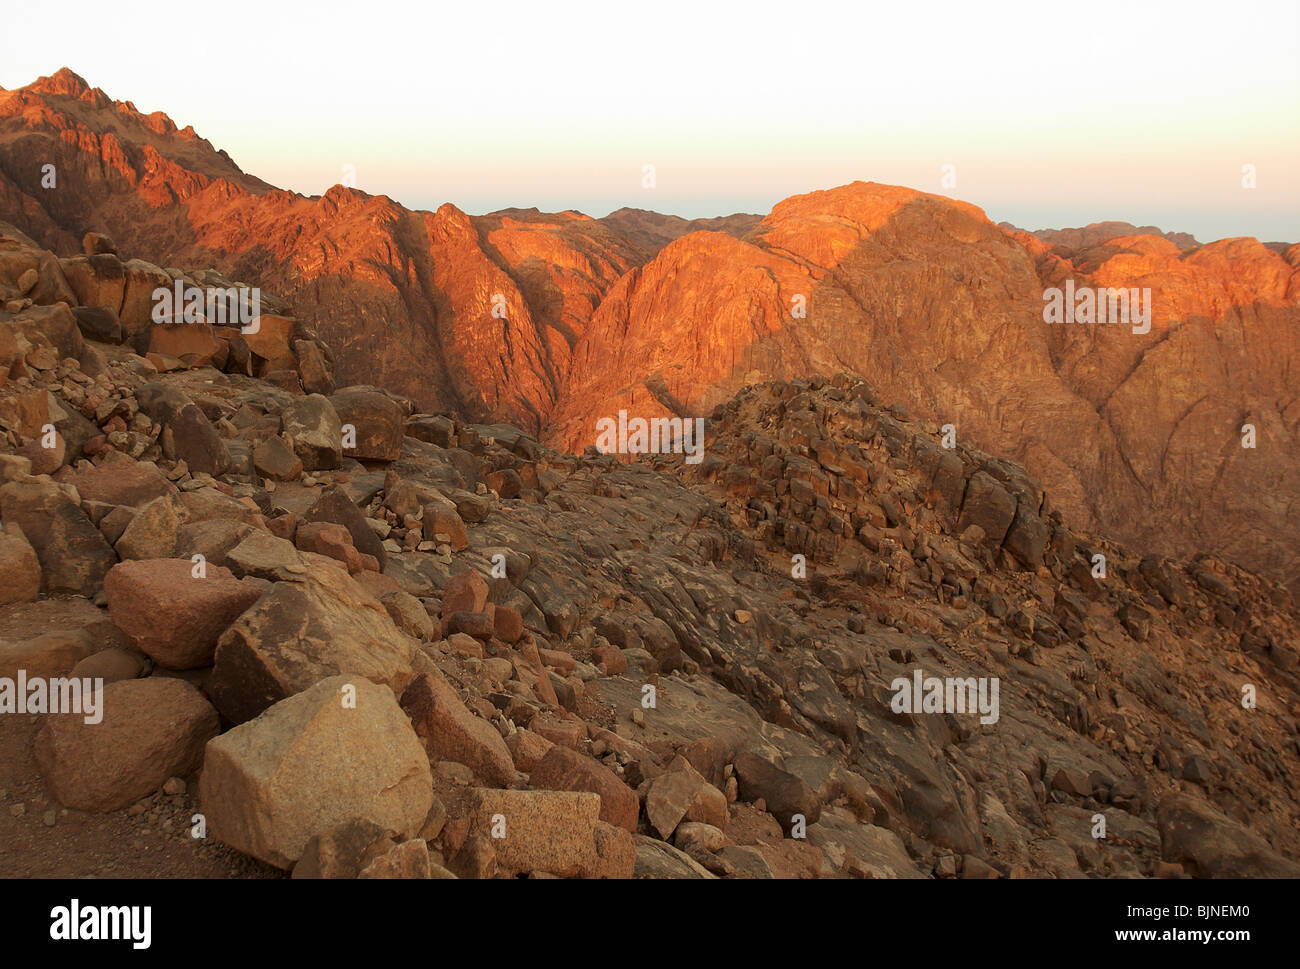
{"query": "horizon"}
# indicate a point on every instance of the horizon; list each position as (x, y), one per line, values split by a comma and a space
(1127, 139)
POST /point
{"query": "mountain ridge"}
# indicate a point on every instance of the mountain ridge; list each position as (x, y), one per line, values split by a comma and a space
(555, 320)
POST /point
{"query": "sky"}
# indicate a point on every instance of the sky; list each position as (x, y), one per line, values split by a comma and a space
(1043, 115)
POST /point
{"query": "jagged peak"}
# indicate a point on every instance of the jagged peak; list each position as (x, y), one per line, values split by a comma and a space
(63, 81)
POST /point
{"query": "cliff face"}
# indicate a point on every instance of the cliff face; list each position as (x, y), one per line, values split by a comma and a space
(553, 321)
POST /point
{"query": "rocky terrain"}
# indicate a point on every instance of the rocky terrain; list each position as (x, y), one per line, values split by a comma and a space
(342, 635)
(553, 321)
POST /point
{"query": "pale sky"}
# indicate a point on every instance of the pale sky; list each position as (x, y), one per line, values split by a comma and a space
(1052, 116)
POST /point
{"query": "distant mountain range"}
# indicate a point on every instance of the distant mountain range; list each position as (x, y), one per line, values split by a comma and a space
(1098, 232)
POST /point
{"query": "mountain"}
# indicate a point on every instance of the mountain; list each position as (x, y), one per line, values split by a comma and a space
(1073, 240)
(405, 298)
(737, 667)
(651, 231)
(943, 311)
(553, 321)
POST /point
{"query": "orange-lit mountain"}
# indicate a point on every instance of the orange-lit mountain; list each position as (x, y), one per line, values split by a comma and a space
(406, 298)
(943, 312)
(1139, 434)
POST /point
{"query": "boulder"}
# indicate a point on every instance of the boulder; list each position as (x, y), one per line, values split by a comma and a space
(276, 460)
(615, 853)
(451, 732)
(785, 794)
(988, 505)
(335, 506)
(152, 729)
(136, 313)
(1027, 537)
(408, 614)
(316, 431)
(98, 323)
(377, 419)
(527, 748)
(122, 482)
(213, 539)
(206, 504)
(270, 341)
(261, 555)
(465, 592)
(153, 532)
(312, 762)
(327, 538)
(315, 367)
(50, 654)
(410, 859)
(113, 664)
(563, 769)
(171, 615)
(53, 325)
(655, 859)
(318, 625)
(506, 482)
(20, 569)
(342, 851)
(194, 440)
(45, 460)
(73, 554)
(682, 794)
(98, 243)
(441, 519)
(191, 343)
(545, 831)
(1209, 844)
